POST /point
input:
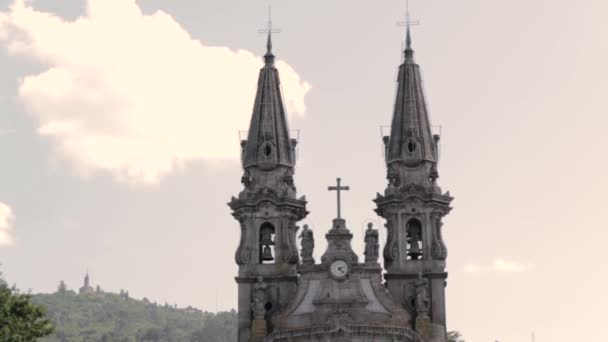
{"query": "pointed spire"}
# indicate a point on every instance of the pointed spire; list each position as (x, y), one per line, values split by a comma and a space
(269, 57)
(268, 143)
(411, 140)
(409, 52)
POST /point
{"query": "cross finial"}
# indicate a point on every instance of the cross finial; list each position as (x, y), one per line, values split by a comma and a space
(408, 20)
(338, 189)
(269, 57)
(407, 23)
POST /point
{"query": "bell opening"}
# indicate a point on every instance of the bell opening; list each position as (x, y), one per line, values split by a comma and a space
(414, 239)
(267, 243)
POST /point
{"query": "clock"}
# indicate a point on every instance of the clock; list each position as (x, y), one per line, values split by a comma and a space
(339, 269)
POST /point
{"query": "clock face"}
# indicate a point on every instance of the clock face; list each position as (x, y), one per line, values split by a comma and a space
(339, 269)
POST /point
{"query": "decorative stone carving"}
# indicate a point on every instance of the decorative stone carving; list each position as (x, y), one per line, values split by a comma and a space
(409, 297)
(243, 254)
(246, 180)
(439, 250)
(259, 299)
(422, 298)
(393, 183)
(391, 249)
(267, 155)
(371, 244)
(288, 183)
(308, 245)
(290, 251)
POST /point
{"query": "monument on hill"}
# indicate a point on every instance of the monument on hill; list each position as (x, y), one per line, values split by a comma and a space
(284, 298)
(86, 288)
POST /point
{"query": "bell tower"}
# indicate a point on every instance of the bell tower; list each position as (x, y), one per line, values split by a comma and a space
(413, 205)
(267, 210)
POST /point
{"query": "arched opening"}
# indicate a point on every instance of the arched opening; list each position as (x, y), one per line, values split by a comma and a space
(267, 150)
(411, 146)
(267, 243)
(415, 248)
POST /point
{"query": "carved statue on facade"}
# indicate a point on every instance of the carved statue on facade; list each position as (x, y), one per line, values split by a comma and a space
(259, 299)
(371, 244)
(308, 245)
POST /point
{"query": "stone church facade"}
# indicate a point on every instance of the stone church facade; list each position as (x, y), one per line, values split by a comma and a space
(283, 293)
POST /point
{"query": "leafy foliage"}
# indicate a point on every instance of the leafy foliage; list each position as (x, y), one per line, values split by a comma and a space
(20, 319)
(116, 317)
(454, 336)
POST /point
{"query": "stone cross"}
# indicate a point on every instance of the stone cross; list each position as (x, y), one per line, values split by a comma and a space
(338, 189)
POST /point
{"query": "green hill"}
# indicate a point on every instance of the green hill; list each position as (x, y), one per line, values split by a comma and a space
(118, 318)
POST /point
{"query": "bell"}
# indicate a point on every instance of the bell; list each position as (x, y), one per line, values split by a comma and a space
(267, 254)
(266, 237)
(414, 252)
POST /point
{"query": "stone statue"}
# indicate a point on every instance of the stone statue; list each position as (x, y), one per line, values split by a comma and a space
(393, 183)
(259, 299)
(422, 298)
(308, 245)
(371, 244)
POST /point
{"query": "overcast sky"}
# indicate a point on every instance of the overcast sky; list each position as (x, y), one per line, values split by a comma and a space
(119, 141)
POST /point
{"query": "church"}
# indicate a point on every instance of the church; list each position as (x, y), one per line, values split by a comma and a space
(284, 294)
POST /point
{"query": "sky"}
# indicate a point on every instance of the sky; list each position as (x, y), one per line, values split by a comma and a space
(119, 139)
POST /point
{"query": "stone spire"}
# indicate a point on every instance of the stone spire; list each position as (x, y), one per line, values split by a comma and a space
(267, 209)
(268, 144)
(409, 52)
(413, 206)
(269, 57)
(411, 141)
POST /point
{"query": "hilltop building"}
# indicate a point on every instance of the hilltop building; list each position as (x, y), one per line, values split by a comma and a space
(86, 288)
(284, 294)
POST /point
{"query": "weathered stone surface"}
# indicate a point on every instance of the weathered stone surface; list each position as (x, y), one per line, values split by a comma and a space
(413, 205)
(258, 330)
(267, 210)
(424, 328)
(351, 307)
(285, 298)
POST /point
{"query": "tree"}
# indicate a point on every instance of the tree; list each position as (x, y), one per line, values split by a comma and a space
(455, 336)
(20, 319)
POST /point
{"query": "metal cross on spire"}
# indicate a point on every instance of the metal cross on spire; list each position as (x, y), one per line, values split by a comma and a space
(338, 189)
(269, 30)
(408, 20)
(408, 23)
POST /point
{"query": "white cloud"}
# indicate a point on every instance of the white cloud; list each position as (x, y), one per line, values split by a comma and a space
(498, 266)
(134, 94)
(6, 220)
(471, 268)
